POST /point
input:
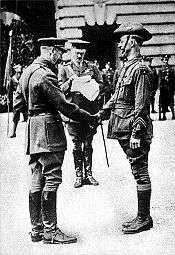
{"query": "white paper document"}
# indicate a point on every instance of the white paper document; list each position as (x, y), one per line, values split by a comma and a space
(86, 86)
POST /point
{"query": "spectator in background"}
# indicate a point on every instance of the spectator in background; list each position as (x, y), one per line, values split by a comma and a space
(14, 82)
(107, 74)
(166, 83)
(148, 62)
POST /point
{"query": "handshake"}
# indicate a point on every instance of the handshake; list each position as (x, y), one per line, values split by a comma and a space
(97, 118)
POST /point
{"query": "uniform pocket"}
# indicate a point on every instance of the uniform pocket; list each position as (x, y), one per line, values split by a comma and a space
(123, 124)
(54, 132)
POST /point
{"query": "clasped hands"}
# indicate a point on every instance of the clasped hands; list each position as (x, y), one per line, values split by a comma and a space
(97, 120)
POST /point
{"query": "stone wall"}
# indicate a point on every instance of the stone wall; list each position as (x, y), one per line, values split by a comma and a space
(156, 15)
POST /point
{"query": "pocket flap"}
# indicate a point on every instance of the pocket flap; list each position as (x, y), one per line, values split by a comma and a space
(124, 113)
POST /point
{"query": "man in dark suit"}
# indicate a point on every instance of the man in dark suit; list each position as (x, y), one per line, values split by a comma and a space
(46, 140)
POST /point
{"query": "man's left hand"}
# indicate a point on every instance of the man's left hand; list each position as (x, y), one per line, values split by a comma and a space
(134, 143)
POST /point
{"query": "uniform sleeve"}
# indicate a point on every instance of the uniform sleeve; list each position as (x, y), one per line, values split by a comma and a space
(58, 101)
(19, 101)
(98, 77)
(115, 79)
(63, 79)
(143, 85)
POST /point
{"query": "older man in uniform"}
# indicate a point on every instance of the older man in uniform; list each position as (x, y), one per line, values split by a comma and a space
(130, 121)
(46, 141)
(72, 75)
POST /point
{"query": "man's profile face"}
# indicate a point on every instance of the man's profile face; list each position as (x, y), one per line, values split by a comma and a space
(56, 55)
(78, 55)
(124, 46)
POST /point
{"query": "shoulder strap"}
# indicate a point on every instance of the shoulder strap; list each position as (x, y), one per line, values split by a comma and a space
(27, 87)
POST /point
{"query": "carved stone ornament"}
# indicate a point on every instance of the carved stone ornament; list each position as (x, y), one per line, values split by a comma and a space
(99, 2)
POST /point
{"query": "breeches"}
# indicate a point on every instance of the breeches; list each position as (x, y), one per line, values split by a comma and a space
(138, 159)
(46, 171)
(16, 116)
(81, 135)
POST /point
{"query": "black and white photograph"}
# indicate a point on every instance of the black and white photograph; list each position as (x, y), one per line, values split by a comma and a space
(87, 127)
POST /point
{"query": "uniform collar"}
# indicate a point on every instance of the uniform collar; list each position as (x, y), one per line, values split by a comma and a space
(15, 79)
(132, 61)
(47, 63)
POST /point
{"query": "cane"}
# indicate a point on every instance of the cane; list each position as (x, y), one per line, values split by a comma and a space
(8, 107)
(104, 144)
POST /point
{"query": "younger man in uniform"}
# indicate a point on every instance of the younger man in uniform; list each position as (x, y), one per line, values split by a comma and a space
(130, 121)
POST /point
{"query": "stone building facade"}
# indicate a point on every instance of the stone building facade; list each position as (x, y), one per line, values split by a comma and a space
(95, 20)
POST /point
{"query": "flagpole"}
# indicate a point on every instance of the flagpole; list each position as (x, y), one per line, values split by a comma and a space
(7, 77)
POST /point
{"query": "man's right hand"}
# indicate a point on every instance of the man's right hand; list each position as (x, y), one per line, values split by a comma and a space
(96, 120)
(104, 114)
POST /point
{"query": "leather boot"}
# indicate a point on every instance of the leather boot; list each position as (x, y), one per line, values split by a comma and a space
(89, 179)
(143, 221)
(36, 216)
(78, 162)
(52, 234)
(173, 114)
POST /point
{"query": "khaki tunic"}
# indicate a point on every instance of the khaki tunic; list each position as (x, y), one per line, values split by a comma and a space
(40, 92)
(131, 102)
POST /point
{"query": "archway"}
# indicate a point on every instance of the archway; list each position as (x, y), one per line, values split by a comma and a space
(103, 44)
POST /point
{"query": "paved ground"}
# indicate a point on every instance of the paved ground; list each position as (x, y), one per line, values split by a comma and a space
(93, 214)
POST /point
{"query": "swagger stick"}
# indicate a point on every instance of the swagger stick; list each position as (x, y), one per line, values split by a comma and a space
(104, 144)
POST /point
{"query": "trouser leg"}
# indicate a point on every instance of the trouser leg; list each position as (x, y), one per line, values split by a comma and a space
(152, 103)
(36, 216)
(46, 177)
(35, 198)
(87, 154)
(139, 164)
(75, 131)
(172, 105)
(52, 234)
(49, 211)
(16, 117)
(78, 162)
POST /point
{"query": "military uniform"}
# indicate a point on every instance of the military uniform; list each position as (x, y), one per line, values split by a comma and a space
(45, 143)
(154, 88)
(81, 133)
(130, 118)
(10, 90)
(107, 75)
(166, 83)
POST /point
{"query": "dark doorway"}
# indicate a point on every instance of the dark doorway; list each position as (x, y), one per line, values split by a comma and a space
(103, 46)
